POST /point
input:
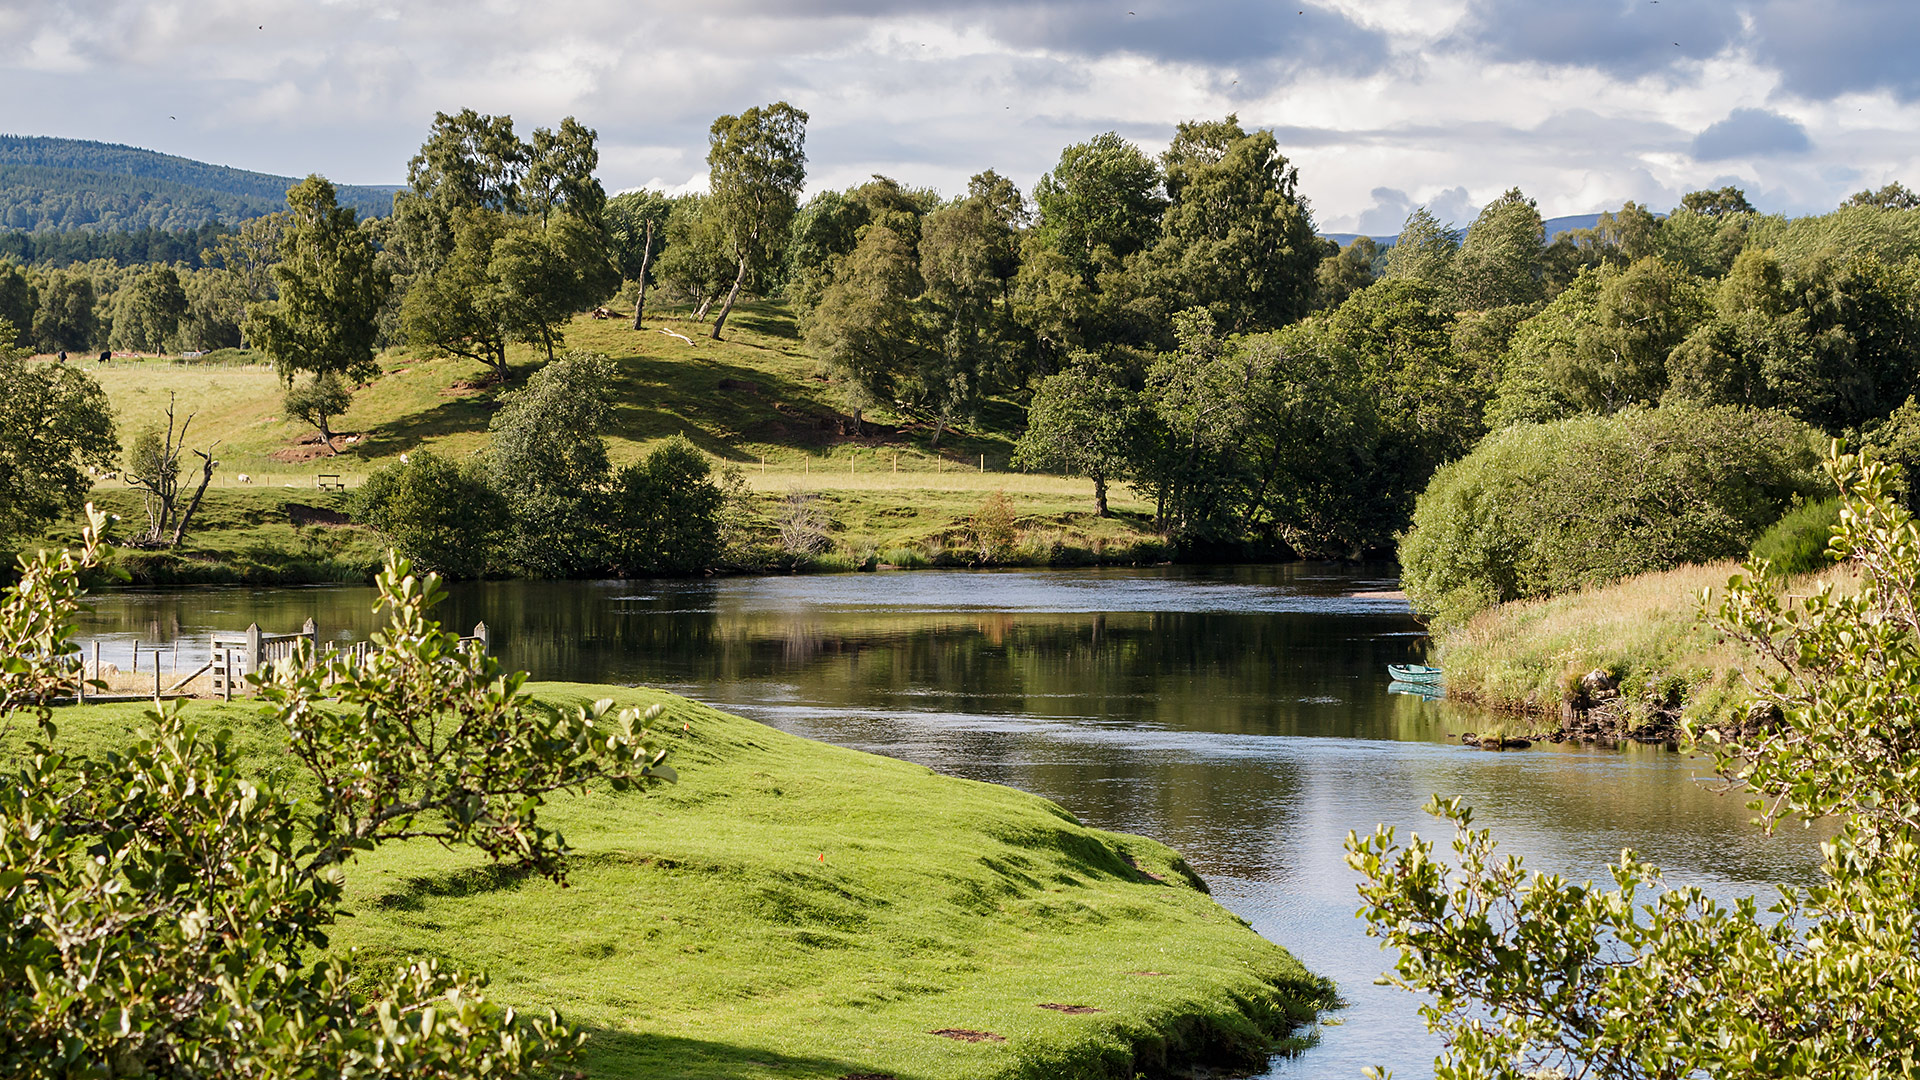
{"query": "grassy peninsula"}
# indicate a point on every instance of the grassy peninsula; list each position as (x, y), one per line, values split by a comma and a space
(1650, 634)
(792, 909)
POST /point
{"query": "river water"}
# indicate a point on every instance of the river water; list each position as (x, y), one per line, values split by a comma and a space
(1239, 714)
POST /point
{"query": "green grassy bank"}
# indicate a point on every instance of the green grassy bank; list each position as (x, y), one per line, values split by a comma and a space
(793, 909)
(279, 536)
(1650, 633)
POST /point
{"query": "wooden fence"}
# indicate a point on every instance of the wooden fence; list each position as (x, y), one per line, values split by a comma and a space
(248, 652)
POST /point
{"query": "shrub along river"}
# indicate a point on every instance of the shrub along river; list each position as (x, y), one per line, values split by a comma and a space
(1239, 714)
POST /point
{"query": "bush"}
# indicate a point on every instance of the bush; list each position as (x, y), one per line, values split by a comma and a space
(436, 513)
(666, 513)
(548, 460)
(166, 916)
(1797, 543)
(990, 530)
(1541, 509)
(804, 524)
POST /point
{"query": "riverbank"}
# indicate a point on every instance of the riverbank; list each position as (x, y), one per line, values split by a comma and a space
(1627, 662)
(281, 536)
(794, 909)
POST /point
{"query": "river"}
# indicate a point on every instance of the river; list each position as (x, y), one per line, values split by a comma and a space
(1239, 714)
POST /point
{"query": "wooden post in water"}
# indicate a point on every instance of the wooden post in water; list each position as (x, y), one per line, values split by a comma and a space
(136, 656)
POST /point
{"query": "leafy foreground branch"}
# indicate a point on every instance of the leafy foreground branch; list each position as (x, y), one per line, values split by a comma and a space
(1535, 977)
(160, 910)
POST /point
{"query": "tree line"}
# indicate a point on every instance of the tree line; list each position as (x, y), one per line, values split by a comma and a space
(1171, 322)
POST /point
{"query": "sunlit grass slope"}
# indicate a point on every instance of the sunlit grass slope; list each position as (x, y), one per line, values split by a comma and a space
(757, 395)
(792, 909)
(1651, 632)
(755, 400)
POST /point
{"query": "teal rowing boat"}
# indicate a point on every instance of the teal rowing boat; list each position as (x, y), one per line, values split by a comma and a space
(1414, 673)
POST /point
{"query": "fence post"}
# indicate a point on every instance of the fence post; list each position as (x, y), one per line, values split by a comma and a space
(226, 682)
(256, 657)
(156, 680)
(480, 635)
(80, 685)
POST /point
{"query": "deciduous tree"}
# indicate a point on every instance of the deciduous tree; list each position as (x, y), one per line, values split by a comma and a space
(1424, 252)
(1500, 261)
(1237, 238)
(324, 321)
(17, 301)
(548, 460)
(442, 515)
(148, 310)
(65, 316)
(1895, 196)
(1084, 422)
(323, 396)
(757, 164)
(153, 465)
(55, 423)
(504, 241)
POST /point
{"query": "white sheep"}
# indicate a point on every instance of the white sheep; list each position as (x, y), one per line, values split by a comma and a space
(244, 478)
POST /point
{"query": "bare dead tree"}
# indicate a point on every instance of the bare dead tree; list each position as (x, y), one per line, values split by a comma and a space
(206, 477)
(153, 466)
(646, 256)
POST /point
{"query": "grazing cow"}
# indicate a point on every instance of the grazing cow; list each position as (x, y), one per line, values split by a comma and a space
(104, 357)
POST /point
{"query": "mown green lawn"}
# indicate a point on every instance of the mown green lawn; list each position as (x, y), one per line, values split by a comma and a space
(792, 909)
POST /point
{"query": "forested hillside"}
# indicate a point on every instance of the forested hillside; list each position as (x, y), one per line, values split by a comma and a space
(49, 184)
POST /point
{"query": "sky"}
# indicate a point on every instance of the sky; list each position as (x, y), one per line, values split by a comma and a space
(1384, 105)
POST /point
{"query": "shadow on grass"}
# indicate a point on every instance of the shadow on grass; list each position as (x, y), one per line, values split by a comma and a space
(717, 405)
(616, 1054)
(454, 416)
(764, 318)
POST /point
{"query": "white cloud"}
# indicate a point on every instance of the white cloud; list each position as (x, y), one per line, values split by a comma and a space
(1582, 104)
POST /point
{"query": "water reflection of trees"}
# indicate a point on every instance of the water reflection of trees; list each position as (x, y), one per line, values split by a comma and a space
(1153, 722)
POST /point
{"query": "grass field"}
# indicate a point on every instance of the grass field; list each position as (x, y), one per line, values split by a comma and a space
(796, 910)
(755, 401)
(756, 396)
(1650, 632)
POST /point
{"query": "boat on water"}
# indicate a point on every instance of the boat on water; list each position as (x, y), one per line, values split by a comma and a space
(1414, 673)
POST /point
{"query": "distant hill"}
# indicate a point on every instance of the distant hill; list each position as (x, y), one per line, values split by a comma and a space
(56, 185)
(1555, 226)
